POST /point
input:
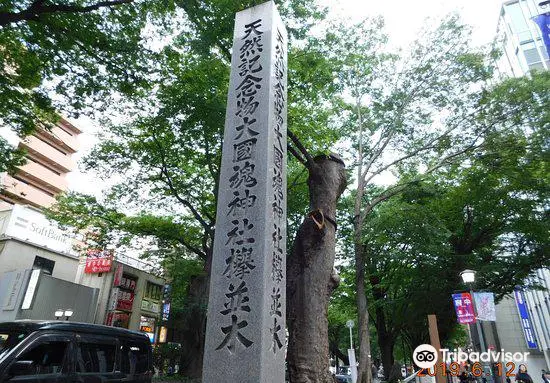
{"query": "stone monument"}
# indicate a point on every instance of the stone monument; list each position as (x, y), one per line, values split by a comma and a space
(246, 335)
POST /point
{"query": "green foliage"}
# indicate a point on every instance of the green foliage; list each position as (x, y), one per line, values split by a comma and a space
(165, 354)
(181, 271)
(434, 110)
(70, 56)
(489, 214)
(167, 145)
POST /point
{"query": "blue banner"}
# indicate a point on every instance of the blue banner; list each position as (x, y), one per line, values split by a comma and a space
(543, 21)
(528, 330)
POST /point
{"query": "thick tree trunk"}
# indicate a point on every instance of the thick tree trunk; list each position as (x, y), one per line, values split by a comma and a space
(310, 278)
(386, 342)
(194, 326)
(386, 338)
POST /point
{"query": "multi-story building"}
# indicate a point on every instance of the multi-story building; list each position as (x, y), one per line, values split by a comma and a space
(40, 270)
(115, 290)
(523, 320)
(49, 159)
(521, 39)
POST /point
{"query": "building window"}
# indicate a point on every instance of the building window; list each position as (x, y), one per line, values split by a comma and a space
(44, 264)
(517, 19)
(153, 291)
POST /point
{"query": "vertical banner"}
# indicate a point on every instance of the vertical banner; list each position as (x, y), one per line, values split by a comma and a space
(543, 21)
(526, 324)
(485, 306)
(464, 308)
(117, 279)
(245, 332)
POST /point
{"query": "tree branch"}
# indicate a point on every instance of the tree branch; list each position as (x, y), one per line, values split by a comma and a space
(38, 8)
(295, 181)
(308, 159)
(396, 189)
(175, 193)
(297, 155)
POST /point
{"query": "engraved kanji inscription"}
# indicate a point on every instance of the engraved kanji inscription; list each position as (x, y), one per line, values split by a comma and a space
(243, 175)
(241, 203)
(244, 150)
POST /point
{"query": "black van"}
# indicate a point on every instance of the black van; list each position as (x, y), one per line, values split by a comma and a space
(70, 352)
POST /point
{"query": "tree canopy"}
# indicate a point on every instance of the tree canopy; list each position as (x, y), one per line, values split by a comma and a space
(468, 156)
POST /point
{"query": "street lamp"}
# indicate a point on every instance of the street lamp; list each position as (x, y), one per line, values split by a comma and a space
(351, 353)
(350, 324)
(468, 277)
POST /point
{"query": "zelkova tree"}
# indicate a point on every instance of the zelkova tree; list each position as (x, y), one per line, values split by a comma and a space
(487, 214)
(429, 110)
(415, 112)
(168, 149)
(71, 57)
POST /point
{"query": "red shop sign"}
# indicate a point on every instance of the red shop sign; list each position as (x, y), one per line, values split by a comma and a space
(125, 300)
(98, 265)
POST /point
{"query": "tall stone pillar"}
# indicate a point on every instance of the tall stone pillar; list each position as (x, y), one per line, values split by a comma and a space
(245, 337)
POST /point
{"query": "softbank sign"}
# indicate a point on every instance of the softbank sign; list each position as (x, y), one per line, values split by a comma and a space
(30, 225)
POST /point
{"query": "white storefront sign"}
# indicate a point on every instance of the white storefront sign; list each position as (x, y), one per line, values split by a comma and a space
(30, 225)
(31, 288)
(150, 306)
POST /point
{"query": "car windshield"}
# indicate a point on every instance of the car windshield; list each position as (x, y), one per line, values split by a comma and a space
(8, 340)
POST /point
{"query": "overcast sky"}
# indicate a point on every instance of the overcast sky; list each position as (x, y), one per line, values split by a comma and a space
(403, 20)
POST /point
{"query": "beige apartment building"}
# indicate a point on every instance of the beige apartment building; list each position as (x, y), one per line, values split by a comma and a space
(127, 293)
(50, 158)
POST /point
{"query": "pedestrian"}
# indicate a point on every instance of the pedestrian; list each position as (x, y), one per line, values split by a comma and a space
(522, 375)
(464, 377)
(545, 376)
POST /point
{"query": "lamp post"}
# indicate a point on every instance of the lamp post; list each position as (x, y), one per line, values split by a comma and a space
(468, 277)
(351, 353)
(350, 324)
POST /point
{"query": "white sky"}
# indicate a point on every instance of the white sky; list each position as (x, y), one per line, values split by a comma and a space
(403, 21)
(405, 17)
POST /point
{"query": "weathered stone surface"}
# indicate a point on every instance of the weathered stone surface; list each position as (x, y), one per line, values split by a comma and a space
(245, 337)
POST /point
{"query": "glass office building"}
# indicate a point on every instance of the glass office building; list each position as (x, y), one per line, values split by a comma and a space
(524, 50)
(521, 38)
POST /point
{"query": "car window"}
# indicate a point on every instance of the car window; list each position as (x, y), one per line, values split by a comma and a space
(48, 357)
(95, 357)
(134, 357)
(8, 340)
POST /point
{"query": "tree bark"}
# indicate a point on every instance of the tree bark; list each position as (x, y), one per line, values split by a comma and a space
(364, 360)
(194, 327)
(310, 276)
(386, 342)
